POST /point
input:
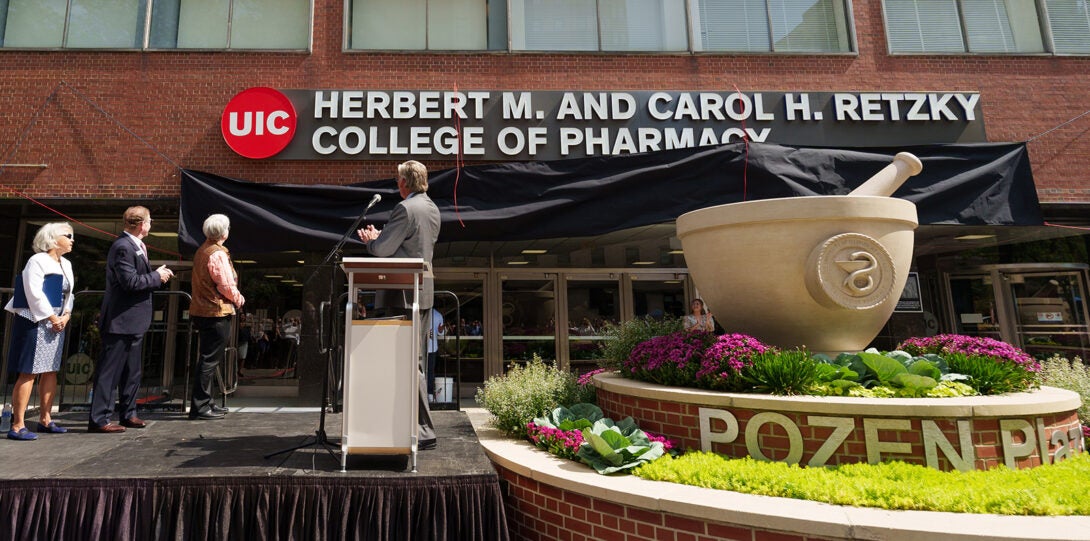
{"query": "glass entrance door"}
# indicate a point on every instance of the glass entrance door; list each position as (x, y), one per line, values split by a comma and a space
(974, 306)
(593, 301)
(462, 335)
(1040, 308)
(528, 314)
(1051, 313)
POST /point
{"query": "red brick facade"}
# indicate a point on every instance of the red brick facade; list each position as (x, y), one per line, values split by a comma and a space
(539, 512)
(173, 101)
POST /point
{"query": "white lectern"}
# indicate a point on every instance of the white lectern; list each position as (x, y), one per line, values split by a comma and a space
(381, 362)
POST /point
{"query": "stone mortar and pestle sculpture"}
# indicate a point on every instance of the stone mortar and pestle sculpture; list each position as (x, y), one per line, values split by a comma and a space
(820, 272)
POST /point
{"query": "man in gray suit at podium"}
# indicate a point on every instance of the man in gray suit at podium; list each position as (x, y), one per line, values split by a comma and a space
(411, 231)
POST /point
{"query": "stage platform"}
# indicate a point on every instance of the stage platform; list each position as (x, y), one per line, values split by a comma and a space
(181, 479)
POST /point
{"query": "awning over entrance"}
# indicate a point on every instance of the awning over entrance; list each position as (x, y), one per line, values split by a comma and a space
(967, 184)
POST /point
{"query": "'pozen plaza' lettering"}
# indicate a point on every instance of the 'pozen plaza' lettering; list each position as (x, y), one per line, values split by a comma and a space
(1019, 438)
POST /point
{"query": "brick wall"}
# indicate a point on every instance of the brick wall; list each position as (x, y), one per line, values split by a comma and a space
(541, 512)
(680, 421)
(172, 101)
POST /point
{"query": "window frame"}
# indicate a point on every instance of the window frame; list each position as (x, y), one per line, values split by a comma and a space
(145, 38)
(346, 33)
(691, 35)
(1044, 25)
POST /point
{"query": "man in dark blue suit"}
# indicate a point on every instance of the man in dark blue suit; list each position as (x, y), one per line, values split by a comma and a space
(125, 317)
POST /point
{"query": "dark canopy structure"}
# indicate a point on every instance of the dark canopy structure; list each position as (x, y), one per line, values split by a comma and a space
(967, 184)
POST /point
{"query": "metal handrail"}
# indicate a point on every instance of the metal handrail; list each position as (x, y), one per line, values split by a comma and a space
(189, 355)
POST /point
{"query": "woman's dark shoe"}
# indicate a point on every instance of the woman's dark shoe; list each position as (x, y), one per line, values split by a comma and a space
(22, 435)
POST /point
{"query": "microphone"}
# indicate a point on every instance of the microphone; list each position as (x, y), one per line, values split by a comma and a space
(363, 215)
(374, 201)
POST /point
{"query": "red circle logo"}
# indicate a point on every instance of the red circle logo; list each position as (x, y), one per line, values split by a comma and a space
(258, 122)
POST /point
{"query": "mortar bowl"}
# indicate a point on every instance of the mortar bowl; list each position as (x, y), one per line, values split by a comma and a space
(821, 272)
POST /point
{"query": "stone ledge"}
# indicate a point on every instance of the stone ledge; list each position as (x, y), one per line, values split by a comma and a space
(805, 518)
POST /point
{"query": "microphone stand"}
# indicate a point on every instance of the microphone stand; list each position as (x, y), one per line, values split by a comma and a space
(319, 437)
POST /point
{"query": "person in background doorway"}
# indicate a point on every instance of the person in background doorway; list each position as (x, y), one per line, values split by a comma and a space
(433, 350)
(43, 304)
(699, 318)
(245, 336)
(125, 317)
(411, 232)
(215, 299)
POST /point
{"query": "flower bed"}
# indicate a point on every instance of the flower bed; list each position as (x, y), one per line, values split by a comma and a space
(548, 498)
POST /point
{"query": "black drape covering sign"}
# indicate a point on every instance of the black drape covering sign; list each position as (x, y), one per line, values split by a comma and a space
(969, 184)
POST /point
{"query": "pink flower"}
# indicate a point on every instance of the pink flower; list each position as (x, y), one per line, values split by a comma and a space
(671, 359)
(667, 443)
(970, 345)
(564, 444)
(726, 357)
(588, 378)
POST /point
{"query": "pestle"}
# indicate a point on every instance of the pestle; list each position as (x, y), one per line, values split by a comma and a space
(886, 181)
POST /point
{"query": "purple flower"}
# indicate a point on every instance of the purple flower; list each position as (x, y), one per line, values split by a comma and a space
(970, 345)
(726, 357)
(672, 359)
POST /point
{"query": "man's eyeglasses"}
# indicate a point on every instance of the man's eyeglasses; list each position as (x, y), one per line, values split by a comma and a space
(69, 236)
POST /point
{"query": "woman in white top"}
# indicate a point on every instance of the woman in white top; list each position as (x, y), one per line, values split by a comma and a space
(700, 319)
(43, 304)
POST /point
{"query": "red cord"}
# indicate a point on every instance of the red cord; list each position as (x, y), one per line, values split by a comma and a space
(73, 220)
(745, 162)
(458, 162)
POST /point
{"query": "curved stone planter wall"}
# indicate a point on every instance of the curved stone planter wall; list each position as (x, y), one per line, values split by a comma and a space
(547, 498)
(1020, 430)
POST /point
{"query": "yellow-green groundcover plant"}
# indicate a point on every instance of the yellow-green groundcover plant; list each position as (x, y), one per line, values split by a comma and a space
(1055, 489)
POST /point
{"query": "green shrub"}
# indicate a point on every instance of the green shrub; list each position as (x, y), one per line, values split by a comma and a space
(1059, 372)
(1055, 489)
(622, 339)
(529, 391)
(990, 377)
(787, 372)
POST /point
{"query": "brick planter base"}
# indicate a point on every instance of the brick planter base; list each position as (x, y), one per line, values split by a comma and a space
(1019, 430)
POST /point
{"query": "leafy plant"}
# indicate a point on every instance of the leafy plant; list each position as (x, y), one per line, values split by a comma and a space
(578, 417)
(990, 377)
(895, 373)
(1073, 375)
(788, 372)
(612, 447)
(529, 391)
(622, 339)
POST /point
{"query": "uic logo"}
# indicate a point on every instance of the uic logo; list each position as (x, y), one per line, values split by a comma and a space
(258, 122)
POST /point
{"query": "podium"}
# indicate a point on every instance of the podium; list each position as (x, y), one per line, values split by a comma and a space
(381, 362)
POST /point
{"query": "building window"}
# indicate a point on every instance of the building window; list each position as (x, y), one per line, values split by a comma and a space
(174, 24)
(598, 25)
(964, 26)
(782, 26)
(101, 24)
(230, 24)
(422, 25)
(1070, 24)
